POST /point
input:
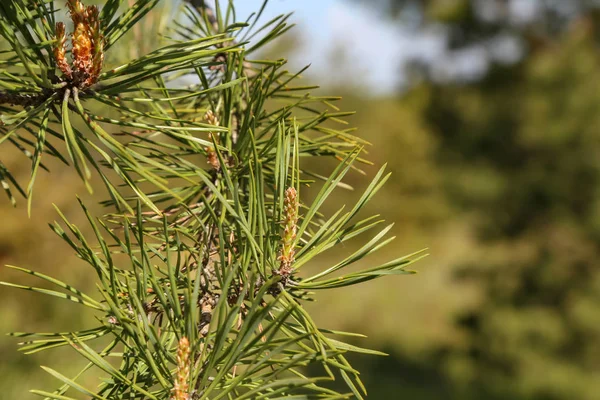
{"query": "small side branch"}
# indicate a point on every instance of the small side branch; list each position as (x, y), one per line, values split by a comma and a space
(21, 99)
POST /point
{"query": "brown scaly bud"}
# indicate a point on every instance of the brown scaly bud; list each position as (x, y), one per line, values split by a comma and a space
(181, 389)
(82, 50)
(97, 45)
(76, 9)
(288, 238)
(82, 43)
(88, 45)
(211, 155)
(60, 50)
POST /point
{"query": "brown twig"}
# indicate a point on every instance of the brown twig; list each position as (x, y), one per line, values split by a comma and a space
(22, 99)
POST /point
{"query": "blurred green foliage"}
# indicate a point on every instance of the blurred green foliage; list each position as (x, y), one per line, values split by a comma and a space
(518, 152)
(514, 158)
(469, 22)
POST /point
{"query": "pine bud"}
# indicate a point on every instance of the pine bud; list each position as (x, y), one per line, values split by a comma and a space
(181, 389)
(88, 46)
(97, 42)
(75, 7)
(211, 118)
(82, 43)
(211, 155)
(288, 238)
(60, 50)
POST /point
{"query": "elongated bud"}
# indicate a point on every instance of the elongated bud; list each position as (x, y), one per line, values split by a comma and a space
(88, 45)
(82, 48)
(97, 42)
(60, 50)
(288, 238)
(211, 155)
(181, 389)
(82, 44)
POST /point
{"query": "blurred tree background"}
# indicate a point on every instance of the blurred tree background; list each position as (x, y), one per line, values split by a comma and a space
(516, 155)
(495, 169)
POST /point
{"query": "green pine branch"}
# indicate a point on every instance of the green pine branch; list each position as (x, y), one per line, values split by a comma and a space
(200, 290)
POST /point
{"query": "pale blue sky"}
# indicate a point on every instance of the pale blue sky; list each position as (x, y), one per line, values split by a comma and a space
(374, 47)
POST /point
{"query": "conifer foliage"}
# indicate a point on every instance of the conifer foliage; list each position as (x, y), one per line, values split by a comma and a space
(198, 263)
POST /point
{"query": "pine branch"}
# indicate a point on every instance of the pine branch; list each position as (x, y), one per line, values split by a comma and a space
(23, 99)
(205, 191)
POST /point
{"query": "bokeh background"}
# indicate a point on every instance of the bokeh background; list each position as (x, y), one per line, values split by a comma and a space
(487, 112)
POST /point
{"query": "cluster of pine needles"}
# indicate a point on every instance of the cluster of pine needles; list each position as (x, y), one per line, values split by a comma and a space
(203, 151)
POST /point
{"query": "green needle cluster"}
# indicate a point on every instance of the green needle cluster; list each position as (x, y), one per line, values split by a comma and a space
(195, 298)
